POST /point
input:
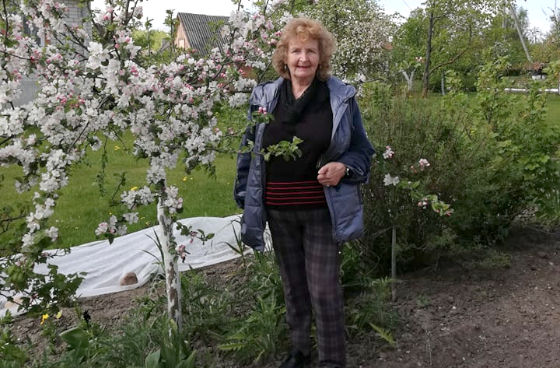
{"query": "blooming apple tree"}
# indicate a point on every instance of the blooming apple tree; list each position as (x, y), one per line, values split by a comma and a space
(363, 32)
(97, 88)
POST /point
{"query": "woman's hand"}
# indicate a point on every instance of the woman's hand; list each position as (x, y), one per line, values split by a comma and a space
(330, 174)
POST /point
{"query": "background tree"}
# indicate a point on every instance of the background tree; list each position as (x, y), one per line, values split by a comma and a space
(453, 27)
(362, 31)
(409, 44)
(503, 39)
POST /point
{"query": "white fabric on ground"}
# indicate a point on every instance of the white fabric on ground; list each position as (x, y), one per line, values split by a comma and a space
(106, 263)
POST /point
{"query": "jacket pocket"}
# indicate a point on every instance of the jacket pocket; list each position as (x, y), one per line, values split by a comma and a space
(347, 211)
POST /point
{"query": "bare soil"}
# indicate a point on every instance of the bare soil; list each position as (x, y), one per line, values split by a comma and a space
(449, 317)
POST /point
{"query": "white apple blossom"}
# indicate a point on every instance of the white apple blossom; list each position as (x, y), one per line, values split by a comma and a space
(52, 233)
(131, 217)
(390, 180)
(97, 55)
(423, 163)
(101, 228)
(388, 152)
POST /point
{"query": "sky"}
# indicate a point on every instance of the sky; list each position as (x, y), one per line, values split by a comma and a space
(539, 10)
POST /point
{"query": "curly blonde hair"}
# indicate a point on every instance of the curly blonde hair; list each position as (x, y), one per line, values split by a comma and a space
(305, 28)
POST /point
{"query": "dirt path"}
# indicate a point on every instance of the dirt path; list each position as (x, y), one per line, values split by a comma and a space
(453, 318)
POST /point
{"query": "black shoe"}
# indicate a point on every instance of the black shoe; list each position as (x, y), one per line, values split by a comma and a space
(296, 359)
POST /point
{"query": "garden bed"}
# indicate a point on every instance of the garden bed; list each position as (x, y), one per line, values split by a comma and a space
(482, 315)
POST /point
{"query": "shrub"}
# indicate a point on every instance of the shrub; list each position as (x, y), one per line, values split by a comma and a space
(408, 127)
(492, 155)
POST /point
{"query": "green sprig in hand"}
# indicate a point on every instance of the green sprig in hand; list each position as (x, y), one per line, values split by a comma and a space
(285, 149)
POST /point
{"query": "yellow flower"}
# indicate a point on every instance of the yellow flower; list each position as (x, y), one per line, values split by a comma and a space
(184, 178)
(117, 148)
(44, 318)
(59, 314)
(133, 189)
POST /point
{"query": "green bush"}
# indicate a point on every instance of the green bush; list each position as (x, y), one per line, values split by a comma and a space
(492, 156)
(409, 128)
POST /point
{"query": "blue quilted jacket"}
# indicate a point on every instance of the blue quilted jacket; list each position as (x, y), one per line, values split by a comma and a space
(349, 145)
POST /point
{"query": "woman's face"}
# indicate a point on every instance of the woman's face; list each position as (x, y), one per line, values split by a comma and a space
(303, 59)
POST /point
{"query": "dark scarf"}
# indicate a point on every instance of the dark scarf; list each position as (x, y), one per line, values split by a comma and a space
(293, 108)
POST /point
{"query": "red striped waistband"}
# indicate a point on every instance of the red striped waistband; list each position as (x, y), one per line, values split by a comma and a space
(294, 193)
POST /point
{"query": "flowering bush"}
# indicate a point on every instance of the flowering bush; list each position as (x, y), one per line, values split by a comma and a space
(362, 32)
(398, 198)
(412, 185)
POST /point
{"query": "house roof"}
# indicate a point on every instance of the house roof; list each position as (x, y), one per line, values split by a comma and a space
(202, 30)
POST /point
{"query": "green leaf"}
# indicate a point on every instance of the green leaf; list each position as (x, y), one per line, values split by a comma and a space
(384, 334)
(152, 360)
(189, 362)
(76, 338)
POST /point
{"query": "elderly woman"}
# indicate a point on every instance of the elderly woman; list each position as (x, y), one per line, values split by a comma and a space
(312, 203)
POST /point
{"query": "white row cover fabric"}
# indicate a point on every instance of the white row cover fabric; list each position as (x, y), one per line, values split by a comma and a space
(105, 264)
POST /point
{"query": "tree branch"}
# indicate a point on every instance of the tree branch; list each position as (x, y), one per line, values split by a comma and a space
(451, 61)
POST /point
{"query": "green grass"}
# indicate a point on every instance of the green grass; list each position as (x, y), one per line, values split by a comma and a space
(553, 106)
(82, 206)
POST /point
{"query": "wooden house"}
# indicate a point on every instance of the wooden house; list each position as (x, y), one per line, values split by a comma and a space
(199, 32)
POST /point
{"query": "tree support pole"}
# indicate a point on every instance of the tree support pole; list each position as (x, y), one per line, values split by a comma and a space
(394, 264)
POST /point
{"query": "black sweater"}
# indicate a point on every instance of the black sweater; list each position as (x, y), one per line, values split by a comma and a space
(293, 184)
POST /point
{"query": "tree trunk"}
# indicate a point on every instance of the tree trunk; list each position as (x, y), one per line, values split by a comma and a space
(170, 266)
(394, 264)
(409, 79)
(443, 84)
(426, 76)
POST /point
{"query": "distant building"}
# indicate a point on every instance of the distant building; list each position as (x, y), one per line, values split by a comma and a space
(199, 32)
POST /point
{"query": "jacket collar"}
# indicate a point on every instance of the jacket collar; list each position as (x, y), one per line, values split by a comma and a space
(266, 94)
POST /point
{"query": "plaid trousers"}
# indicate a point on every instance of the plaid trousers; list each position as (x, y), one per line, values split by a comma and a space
(309, 261)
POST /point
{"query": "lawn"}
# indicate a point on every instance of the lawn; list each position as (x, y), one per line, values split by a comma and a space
(553, 113)
(82, 205)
